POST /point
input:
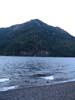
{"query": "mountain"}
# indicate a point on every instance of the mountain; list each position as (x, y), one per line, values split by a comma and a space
(36, 38)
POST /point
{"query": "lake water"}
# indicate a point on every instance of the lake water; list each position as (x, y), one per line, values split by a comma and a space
(19, 72)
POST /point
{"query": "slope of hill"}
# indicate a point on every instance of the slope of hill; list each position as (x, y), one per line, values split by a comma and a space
(36, 38)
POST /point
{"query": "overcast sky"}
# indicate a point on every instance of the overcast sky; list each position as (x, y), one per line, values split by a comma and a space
(54, 12)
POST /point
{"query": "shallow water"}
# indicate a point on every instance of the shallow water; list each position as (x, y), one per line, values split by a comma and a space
(31, 71)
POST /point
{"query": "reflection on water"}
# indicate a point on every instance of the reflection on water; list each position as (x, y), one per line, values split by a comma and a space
(7, 88)
(48, 77)
(4, 79)
(30, 71)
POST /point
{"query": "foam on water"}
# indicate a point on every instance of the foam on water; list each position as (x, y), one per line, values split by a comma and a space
(48, 77)
(4, 79)
(8, 88)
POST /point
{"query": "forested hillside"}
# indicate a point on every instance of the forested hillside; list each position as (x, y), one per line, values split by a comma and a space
(36, 38)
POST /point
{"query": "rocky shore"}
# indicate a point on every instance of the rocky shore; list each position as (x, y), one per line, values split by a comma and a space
(63, 91)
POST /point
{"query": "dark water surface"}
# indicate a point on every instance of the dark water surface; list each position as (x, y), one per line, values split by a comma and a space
(32, 71)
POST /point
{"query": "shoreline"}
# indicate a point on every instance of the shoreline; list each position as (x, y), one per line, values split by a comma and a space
(61, 91)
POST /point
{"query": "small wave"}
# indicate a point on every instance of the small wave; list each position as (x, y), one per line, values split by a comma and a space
(4, 79)
(8, 88)
(48, 77)
(41, 75)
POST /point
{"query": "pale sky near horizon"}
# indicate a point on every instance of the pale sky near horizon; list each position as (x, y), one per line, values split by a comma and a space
(54, 12)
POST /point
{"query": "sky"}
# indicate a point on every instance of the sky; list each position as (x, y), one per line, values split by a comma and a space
(59, 13)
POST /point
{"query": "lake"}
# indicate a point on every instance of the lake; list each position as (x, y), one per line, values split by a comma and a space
(19, 72)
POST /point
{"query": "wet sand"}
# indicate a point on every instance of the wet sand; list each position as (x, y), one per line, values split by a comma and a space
(63, 91)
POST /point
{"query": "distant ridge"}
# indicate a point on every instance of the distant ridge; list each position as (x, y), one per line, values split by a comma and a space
(36, 38)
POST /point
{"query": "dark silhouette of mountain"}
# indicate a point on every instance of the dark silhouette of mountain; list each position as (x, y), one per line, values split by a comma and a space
(36, 38)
